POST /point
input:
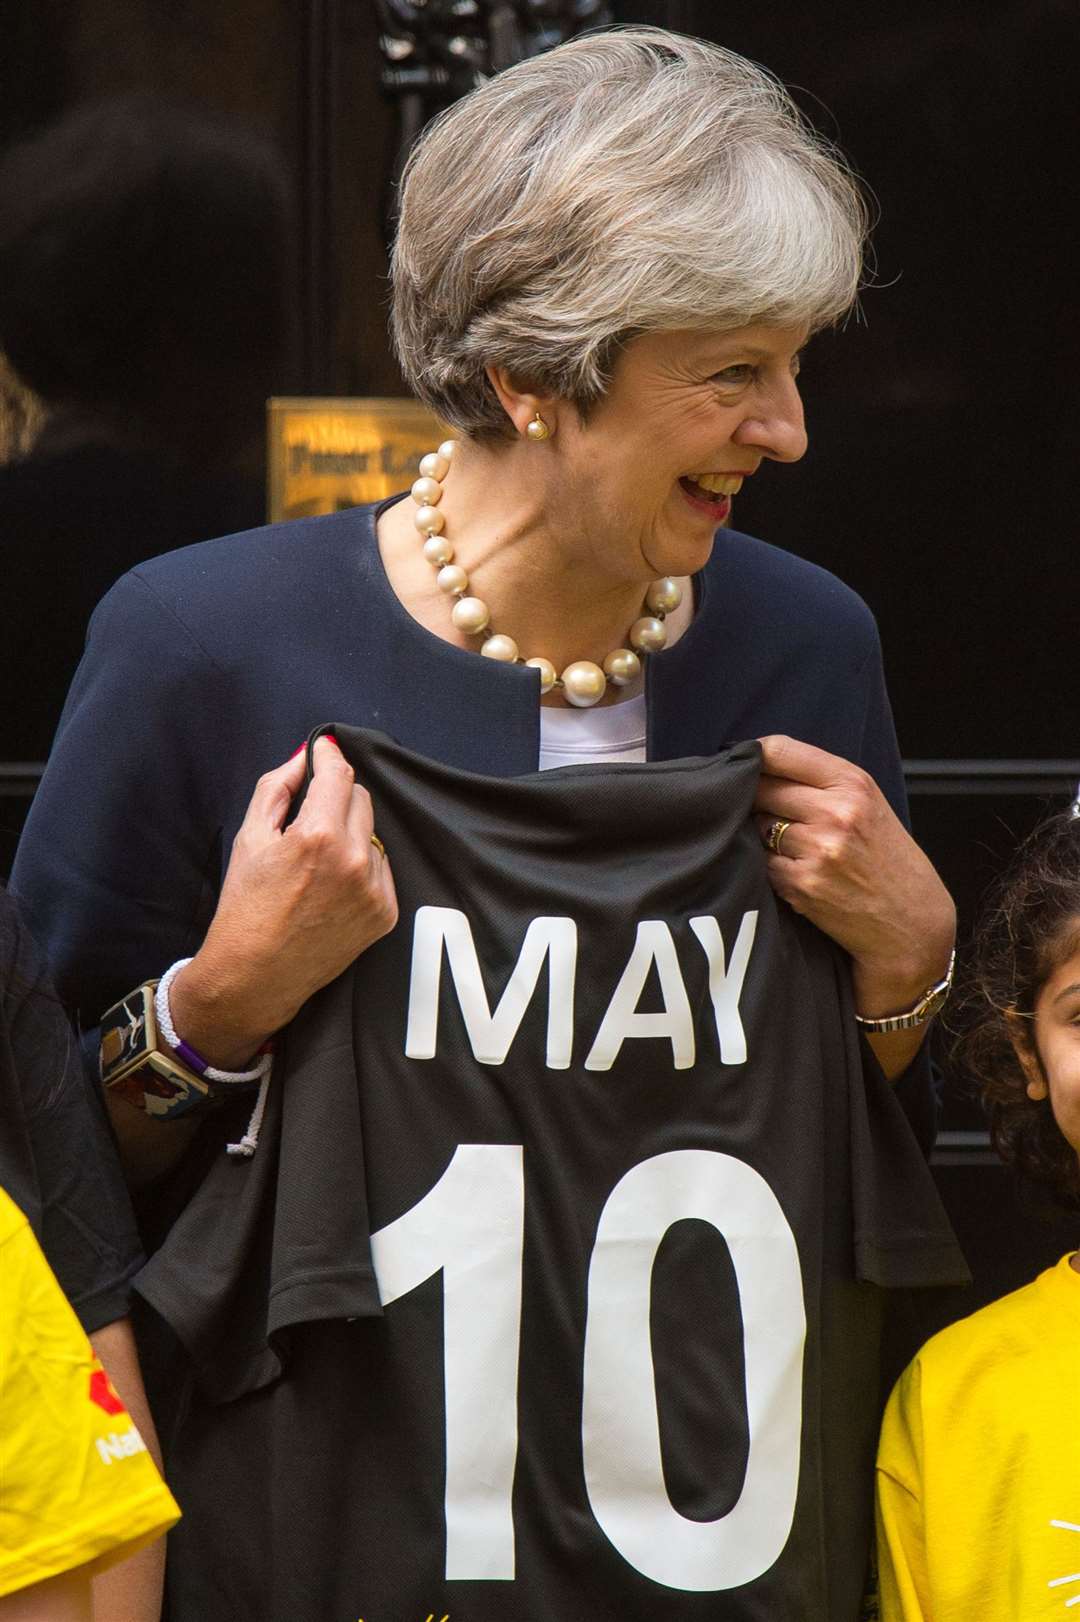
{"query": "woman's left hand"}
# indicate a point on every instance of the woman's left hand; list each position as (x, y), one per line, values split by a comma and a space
(848, 864)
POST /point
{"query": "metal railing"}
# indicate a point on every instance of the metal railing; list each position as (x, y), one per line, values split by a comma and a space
(991, 776)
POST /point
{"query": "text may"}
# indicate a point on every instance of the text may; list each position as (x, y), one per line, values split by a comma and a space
(555, 940)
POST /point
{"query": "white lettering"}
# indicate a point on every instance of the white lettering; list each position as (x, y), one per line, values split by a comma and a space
(470, 1227)
(652, 945)
(726, 983)
(624, 1468)
(490, 1035)
(119, 1445)
(555, 941)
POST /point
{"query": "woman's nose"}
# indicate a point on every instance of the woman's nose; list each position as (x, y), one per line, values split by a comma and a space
(779, 430)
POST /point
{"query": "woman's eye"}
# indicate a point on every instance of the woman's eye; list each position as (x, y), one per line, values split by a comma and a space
(733, 375)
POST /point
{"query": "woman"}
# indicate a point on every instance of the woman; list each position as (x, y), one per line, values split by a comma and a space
(609, 260)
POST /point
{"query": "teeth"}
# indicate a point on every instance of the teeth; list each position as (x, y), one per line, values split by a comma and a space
(719, 484)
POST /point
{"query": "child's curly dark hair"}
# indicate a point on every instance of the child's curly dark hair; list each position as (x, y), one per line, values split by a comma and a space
(1030, 923)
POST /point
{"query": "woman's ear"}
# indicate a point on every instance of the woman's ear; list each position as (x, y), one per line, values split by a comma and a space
(522, 405)
(1022, 1036)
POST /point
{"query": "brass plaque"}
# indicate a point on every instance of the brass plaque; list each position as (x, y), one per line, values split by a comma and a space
(327, 454)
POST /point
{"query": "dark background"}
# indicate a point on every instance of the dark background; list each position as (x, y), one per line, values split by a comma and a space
(943, 425)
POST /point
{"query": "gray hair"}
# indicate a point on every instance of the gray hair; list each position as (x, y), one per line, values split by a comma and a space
(628, 181)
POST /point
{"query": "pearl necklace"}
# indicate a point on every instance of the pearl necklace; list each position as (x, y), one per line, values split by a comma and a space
(583, 682)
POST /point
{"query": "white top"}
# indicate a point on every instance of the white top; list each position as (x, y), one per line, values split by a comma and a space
(603, 735)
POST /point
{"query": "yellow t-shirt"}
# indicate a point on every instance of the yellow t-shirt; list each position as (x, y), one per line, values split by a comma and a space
(77, 1486)
(978, 1482)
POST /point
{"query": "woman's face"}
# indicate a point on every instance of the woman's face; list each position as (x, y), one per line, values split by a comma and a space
(689, 416)
(1055, 1072)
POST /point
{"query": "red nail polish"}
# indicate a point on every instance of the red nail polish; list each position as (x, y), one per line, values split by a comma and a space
(299, 751)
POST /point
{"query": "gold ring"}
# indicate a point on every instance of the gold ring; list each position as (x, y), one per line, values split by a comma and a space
(379, 846)
(774, 833)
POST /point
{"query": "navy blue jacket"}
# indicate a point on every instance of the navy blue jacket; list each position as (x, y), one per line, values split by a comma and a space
(210, 665)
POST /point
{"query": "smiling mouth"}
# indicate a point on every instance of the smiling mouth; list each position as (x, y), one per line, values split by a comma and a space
(712, 488)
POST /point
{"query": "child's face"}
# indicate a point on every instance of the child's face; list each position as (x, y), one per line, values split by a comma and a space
(1056, 1070)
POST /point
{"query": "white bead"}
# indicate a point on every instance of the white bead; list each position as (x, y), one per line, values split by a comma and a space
(437, 550)
(470, 615)
(429, 520)
(446, 449)
(648, 635)
(547, 673)
(663, 596)
(503, 648)
(452, 579)
(584, 683)
(434, 466)
(622, 667)
(427, 492)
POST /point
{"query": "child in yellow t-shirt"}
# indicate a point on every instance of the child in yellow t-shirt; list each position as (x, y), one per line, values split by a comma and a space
(78, 1490)
(979, 1462)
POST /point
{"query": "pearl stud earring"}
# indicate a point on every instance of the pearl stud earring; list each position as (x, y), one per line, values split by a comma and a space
(538, 429)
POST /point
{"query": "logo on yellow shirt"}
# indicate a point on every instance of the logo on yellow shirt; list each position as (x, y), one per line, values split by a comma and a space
(119, 1445)
(103, 1392)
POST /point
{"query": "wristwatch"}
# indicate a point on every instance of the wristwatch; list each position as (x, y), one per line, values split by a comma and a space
(139, 1066)
(930, 1003)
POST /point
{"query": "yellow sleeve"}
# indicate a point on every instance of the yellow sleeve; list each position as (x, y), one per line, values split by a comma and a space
(77, 1486)
(901, 1543)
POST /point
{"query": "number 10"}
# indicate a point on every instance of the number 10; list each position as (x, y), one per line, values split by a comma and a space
(470, 1227)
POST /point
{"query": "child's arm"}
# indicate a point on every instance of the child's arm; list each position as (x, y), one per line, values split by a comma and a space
(132, 1590)
(58, 1599)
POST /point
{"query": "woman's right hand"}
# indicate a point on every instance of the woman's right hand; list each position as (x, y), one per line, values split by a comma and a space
(298, 904)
